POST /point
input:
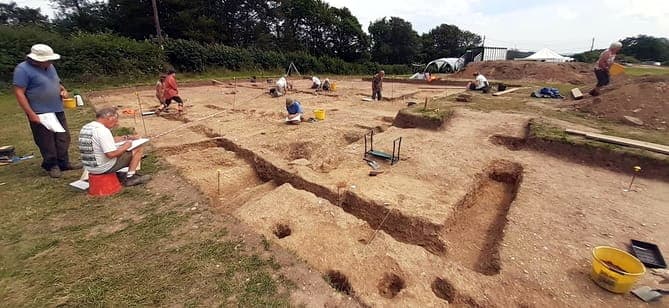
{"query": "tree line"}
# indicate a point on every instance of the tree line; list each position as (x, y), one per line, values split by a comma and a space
(310, 26)
(636, 49)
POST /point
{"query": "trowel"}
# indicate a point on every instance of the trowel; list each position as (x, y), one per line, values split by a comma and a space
(647, 294)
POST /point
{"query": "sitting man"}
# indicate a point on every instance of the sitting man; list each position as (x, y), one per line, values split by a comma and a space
(295, 111)
(315, 83)
(99, 152)
(479, 84)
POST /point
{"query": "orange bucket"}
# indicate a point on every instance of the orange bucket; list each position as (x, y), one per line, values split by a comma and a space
(616, 69)
(103, 184)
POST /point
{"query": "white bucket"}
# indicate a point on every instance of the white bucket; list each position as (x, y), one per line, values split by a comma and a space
(80, 101)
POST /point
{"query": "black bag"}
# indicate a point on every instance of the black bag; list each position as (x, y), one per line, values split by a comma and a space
(501, 87)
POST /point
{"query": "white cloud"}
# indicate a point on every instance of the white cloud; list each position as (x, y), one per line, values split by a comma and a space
(565, 26)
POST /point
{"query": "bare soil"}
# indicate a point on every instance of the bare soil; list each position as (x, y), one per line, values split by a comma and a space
(458, 221)
(573, 72)
(644, 98)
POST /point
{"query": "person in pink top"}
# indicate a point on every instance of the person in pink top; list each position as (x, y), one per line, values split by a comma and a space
(604, 65)
(171, 93)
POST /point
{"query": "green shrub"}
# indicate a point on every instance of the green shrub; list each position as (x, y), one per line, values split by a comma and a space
(84, 57)
(90, 58)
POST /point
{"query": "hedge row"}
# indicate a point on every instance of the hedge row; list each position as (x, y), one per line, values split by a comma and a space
(192, 56)
(84, 56)
(88, 57)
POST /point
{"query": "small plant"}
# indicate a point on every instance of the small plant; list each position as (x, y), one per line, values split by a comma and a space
(121, 131)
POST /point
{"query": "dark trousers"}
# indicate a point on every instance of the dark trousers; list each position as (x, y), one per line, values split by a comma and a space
(603, 77)
(376, 94)
(177, 99)
(53, 146)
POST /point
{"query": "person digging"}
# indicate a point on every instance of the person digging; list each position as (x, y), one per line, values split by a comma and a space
(603, 67)
(295, 111)
(171, 94)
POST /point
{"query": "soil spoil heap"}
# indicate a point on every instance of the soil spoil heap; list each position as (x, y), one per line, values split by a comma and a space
(573, 72)
(644, 98)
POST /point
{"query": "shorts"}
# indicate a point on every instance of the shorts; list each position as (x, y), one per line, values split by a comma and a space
(121, 162)
(603, 77)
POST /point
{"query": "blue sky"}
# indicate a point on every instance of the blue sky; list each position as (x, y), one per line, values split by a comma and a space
(566, 26)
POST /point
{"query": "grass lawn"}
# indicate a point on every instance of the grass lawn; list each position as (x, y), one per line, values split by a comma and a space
(141, 247)
(646, 70)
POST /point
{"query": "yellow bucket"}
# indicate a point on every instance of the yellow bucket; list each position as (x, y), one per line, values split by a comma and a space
(616, 69)
(69, 103)
(333, 86)
(319, 114)
(615, 270)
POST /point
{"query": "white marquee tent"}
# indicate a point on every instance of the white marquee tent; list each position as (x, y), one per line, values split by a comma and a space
(547, 55)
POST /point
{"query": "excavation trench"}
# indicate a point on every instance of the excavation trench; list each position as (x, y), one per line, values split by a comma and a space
(475, 230)
(591, 153)
(403, 228)
(411, 230)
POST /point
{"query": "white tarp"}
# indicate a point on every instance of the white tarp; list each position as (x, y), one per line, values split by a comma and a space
(547, 55)
(446, 64)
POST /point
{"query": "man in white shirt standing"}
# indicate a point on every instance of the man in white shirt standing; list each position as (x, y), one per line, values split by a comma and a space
(479, 84)
(101, 155)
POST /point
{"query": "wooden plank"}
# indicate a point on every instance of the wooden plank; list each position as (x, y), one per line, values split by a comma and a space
(575, 132)
(653, 147)
(576, 93)
(441, 87)
(506, 91)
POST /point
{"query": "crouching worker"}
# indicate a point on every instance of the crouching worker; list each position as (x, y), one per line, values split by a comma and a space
(479, 84)
(281, 87)
(171, 93)
(315, 83)
(326, 85)
(295, 111)
(101, 155)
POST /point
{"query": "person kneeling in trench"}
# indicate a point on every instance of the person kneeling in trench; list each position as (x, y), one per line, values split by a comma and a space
(101, 155)
(480, 83)
(295, 111)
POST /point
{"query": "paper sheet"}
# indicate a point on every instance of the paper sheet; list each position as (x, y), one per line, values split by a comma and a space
(80, 184)
(51, 123)
(297, 117)
(135, 143)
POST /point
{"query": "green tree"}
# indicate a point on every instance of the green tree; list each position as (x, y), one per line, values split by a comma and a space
(10, 14)
(350, 42)
(646, 48)
(588, 56)
(447, 41)
(82, 15)
(393, 41)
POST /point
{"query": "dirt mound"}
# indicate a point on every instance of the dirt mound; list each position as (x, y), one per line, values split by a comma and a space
(644, 98)
(573, 72)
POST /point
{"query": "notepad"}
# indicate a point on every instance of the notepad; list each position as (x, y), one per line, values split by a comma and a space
(135, 143)
(80, 184)
(50, 121)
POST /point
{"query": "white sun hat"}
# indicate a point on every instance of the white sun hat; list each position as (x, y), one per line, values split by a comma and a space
(42, 53)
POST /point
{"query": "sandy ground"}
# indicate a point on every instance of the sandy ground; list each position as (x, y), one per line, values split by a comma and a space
(458, 220)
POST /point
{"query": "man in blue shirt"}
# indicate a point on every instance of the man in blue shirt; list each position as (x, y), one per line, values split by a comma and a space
(295, 111)
(40, 94)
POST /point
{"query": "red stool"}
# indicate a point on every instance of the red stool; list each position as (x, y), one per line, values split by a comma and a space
(103, 184)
